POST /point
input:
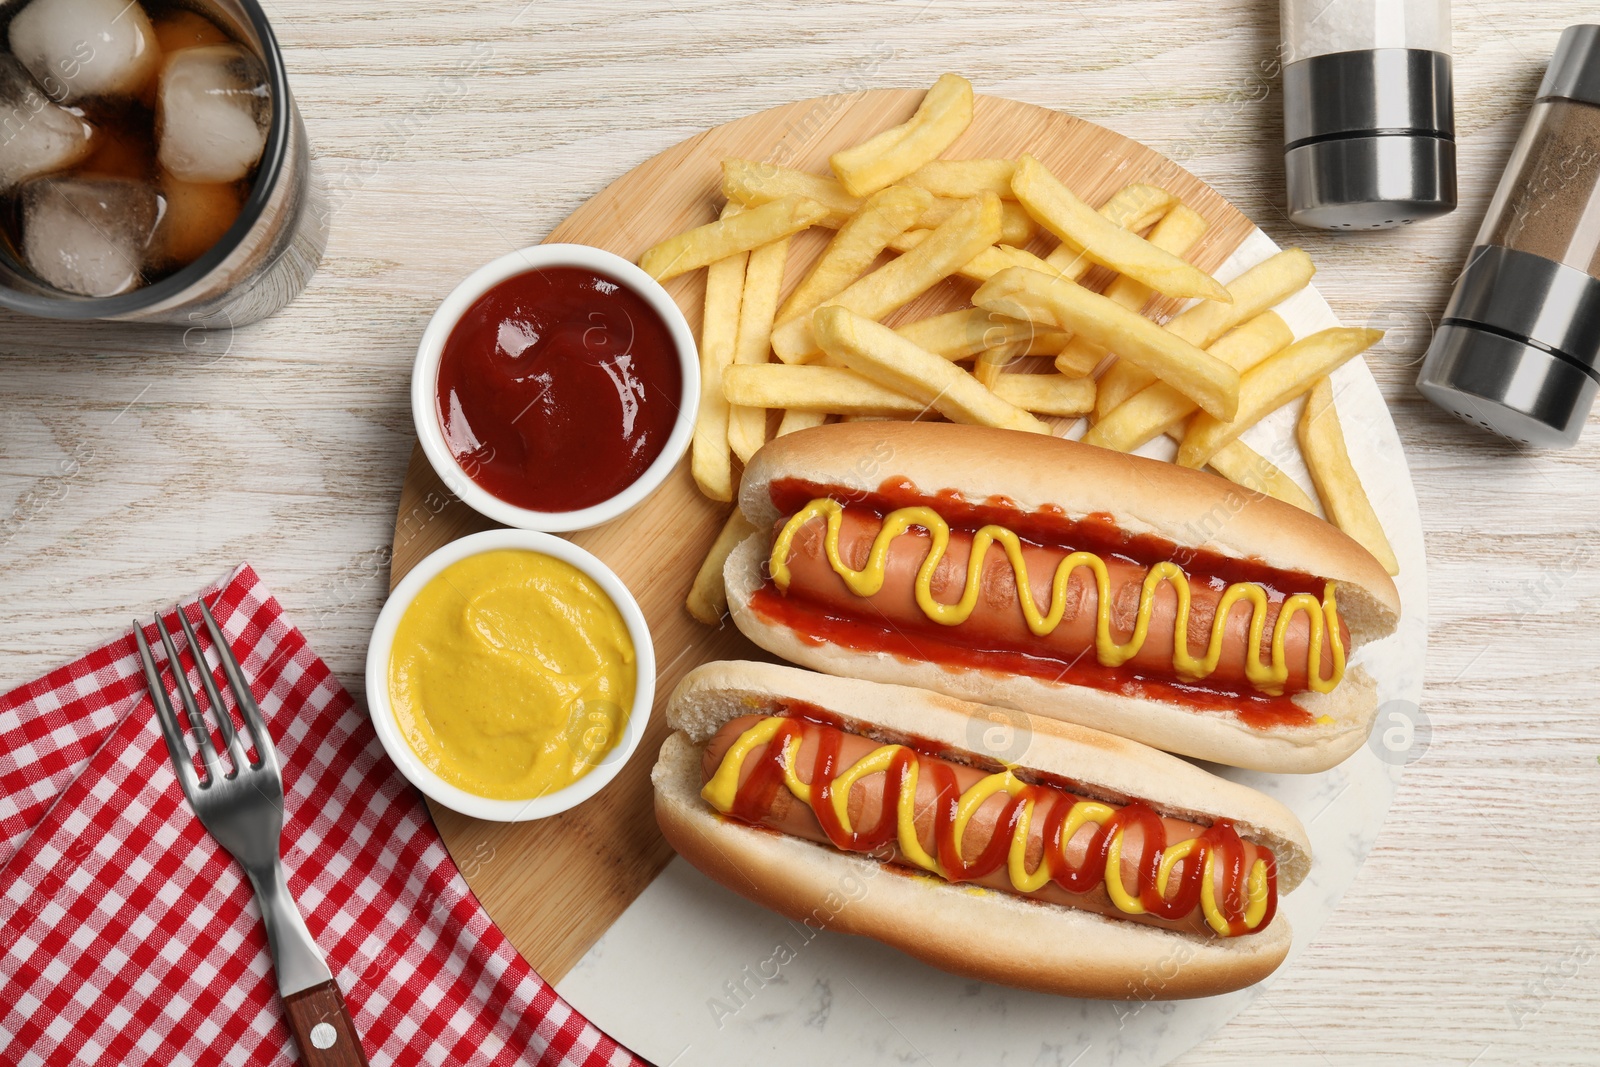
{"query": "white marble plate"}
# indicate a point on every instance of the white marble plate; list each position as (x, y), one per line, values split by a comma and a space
(693, 974)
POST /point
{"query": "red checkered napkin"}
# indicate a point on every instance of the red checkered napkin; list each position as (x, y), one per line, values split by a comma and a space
(128, 936)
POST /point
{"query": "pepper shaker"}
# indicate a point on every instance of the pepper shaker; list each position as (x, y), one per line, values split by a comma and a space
(1517, 350)
(1368, 112)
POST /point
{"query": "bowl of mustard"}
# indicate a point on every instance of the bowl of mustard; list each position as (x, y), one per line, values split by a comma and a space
(510, 675)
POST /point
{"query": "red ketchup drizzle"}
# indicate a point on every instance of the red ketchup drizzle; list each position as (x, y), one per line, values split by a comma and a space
(754, 800)
(944, 833)
(927, 641)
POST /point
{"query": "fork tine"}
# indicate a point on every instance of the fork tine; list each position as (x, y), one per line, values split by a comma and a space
(230, 738)
(171, 732)
(254, 721)
(208, 751)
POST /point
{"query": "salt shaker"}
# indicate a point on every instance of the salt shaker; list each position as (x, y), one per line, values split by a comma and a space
(1368, 114)
(1517, 350)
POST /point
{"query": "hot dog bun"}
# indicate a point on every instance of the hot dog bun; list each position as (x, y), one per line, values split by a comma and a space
(984, 934)
(1190, 508)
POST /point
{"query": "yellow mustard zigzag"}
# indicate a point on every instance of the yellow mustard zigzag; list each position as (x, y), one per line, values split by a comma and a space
(1267, 677)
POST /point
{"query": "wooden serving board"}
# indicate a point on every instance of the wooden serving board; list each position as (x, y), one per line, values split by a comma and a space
(556, 885)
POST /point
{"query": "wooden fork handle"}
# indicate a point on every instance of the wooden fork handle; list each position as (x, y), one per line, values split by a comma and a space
(322, 1027)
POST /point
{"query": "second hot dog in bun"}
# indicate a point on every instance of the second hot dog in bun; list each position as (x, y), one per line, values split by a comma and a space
(1084, 864)
(1131, 596)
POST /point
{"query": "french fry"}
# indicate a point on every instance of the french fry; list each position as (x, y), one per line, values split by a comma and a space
(1058, 210)
(1177, 232)
(1159, 408)
(708, 596)
(1243, 465)
(1121, 382)
(728, 236)
(987, 263)
(879, 353)
(795, 419)
(1267, 283)
(943, 115)
(1271, 384)
(883, 217)
(1040, 298)
(966, 233)
(1016, 225)
(1242, 349)
(958, 335)
(753, 184)
(710, 462)
(989, 367)
(1016, 228)
(963, 178)
(1020, 257)
(1246, 346)
(1074, 360)
(1347, 503)
(1134, 208)
(825, 390)
(1047, 342)
(763, 281)
(1010, 343)
(1047, 394)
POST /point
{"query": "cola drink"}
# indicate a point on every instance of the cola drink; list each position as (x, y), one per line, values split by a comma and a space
(152, 163)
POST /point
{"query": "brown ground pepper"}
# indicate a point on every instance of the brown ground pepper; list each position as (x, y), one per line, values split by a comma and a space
(1548, 203)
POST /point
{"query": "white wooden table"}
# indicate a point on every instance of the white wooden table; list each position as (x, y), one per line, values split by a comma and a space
(133, 470)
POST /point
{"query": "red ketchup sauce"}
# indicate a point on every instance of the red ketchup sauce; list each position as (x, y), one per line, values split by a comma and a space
(558, 388)
(927, 641)
(755, 798)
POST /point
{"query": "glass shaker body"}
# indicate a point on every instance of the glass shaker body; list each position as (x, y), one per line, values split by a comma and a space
(1369, 123)
(1548, 200)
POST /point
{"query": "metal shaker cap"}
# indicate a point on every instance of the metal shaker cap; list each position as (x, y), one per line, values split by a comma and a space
(1519, 347)
(1507, 386)
(1369, 138)
(1574, 70)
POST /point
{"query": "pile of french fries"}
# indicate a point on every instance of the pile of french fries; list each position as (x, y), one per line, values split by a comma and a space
(1036, 343)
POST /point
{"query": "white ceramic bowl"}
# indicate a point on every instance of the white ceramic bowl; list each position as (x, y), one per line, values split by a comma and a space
(425, 383)
(400, 750)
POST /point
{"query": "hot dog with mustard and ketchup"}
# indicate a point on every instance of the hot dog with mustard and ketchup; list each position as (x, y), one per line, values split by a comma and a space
(1079, 865)
(1136, 597)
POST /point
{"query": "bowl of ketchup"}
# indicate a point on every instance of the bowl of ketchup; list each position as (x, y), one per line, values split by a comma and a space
(555, 388)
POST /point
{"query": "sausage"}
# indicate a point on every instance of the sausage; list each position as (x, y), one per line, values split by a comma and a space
(998, 616)
(789, 814)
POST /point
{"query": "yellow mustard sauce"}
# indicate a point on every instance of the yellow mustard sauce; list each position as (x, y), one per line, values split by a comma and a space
(511, 674)
(1267, 677)
(723, 786)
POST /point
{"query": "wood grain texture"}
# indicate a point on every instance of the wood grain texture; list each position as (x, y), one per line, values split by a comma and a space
(564, 881)
(322, 1028)
(134, 468)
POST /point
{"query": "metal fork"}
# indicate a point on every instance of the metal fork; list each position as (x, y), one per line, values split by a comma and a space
(243, 809)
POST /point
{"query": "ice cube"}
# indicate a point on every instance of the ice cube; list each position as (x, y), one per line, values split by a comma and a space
(88, 236)
(82, 48)
(212, 113)
(36, 136)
